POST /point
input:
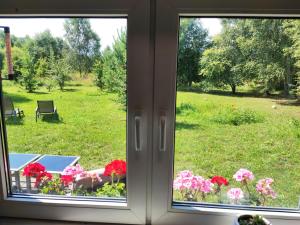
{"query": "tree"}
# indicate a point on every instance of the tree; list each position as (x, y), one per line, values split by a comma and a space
(223, 64)
(84, 44)
(59, 72)
(28, 78)
(292, 28)
(193, 40)
(269, 44)
(43, 45)
(115, 67)
(98, 71)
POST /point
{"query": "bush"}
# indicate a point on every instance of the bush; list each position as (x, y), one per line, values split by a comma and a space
(185, 108)
(235, 116)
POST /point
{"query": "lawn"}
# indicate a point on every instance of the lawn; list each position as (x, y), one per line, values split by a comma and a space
(269, 145)
(91, 124)
(209, 139)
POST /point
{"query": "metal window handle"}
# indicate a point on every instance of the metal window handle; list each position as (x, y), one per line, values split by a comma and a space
(137, 133)
(162, 133)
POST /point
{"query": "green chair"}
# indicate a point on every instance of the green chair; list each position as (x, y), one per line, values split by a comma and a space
(45, 108)
(9, 109)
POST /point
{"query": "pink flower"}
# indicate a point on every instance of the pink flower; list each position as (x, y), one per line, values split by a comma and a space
(235, 194)
(185, 174)
(263, 187)
(243, 175)
(206, 186)
(73, 170)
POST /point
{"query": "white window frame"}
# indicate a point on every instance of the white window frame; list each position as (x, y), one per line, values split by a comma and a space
(166, 47)
(139, 83)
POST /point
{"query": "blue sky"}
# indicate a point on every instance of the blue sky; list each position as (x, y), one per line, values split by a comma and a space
(106, 29)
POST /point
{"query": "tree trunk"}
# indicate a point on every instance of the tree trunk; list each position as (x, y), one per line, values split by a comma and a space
(233, 89)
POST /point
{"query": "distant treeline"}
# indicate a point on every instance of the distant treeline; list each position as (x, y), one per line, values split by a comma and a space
(263, 53)
(44, 60)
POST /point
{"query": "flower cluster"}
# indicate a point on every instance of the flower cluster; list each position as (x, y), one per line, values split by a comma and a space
(37, 171)
(235, 194)
(263, 187)
(189, 186)
(243, 175)
(115, 168)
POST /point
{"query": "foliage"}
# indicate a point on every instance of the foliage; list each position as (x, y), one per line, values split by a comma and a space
(251, 220)
(59, 71)
(236, 116)
(193, 40)
(115, 68)
(44, 45)
(112, 190)
(28, 77)
(84, 44)
(52, 187)
(98, 71)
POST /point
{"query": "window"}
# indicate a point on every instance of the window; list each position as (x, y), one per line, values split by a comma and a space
(161, 121)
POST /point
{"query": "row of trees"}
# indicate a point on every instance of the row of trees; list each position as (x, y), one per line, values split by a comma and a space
(44, 60)
(261, 52)
(264, 53)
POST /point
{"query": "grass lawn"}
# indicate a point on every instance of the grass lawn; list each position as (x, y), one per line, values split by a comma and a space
(92, 125)
(269, 147)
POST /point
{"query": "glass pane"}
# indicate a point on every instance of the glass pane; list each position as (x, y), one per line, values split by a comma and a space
(65, 109)
(237, 135)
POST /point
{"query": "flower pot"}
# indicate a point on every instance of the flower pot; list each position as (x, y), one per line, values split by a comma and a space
(236, 220)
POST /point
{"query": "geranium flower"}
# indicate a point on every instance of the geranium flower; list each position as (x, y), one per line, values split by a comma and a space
(33, 170)
(243, 175)
(206, 186)
(73, 170)
(219, 180)
(42, 177)
(235, 194)
(263, 187)
(116, 167)
(66, 179)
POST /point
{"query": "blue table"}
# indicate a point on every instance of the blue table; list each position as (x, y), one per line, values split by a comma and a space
(17, 161)
(57, 163)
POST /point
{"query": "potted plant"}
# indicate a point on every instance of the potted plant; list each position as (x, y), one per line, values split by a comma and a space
(251, 220)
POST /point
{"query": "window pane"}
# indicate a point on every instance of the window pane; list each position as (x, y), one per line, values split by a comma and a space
(237, 114)
(65, 111)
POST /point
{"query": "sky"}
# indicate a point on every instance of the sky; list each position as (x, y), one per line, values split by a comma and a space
(106, 28)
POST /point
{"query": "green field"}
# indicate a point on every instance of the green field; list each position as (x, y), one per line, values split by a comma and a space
(216, 133)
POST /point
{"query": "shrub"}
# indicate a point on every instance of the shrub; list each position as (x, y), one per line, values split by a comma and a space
(236, 116)
(185, 108)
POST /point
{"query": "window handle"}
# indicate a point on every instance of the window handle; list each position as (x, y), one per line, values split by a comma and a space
(137, 133)
(162, 133)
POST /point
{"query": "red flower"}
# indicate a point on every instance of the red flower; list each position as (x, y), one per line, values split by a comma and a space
(219, 180)
(33, 170)
(66, 179)
(116, 167)
(42, 177)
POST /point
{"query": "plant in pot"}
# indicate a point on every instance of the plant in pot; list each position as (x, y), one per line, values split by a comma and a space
(251, 220)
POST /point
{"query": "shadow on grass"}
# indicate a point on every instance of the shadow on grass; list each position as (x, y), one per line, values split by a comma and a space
(227, 93)
(286, 102)
(14, 121)
(17, 98)
(51, 119)
(74, 85)
(40, 93)
(186, 126)
(69, 90)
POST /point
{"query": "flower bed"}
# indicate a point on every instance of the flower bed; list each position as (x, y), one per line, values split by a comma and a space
(244, 190)
(75, 181)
